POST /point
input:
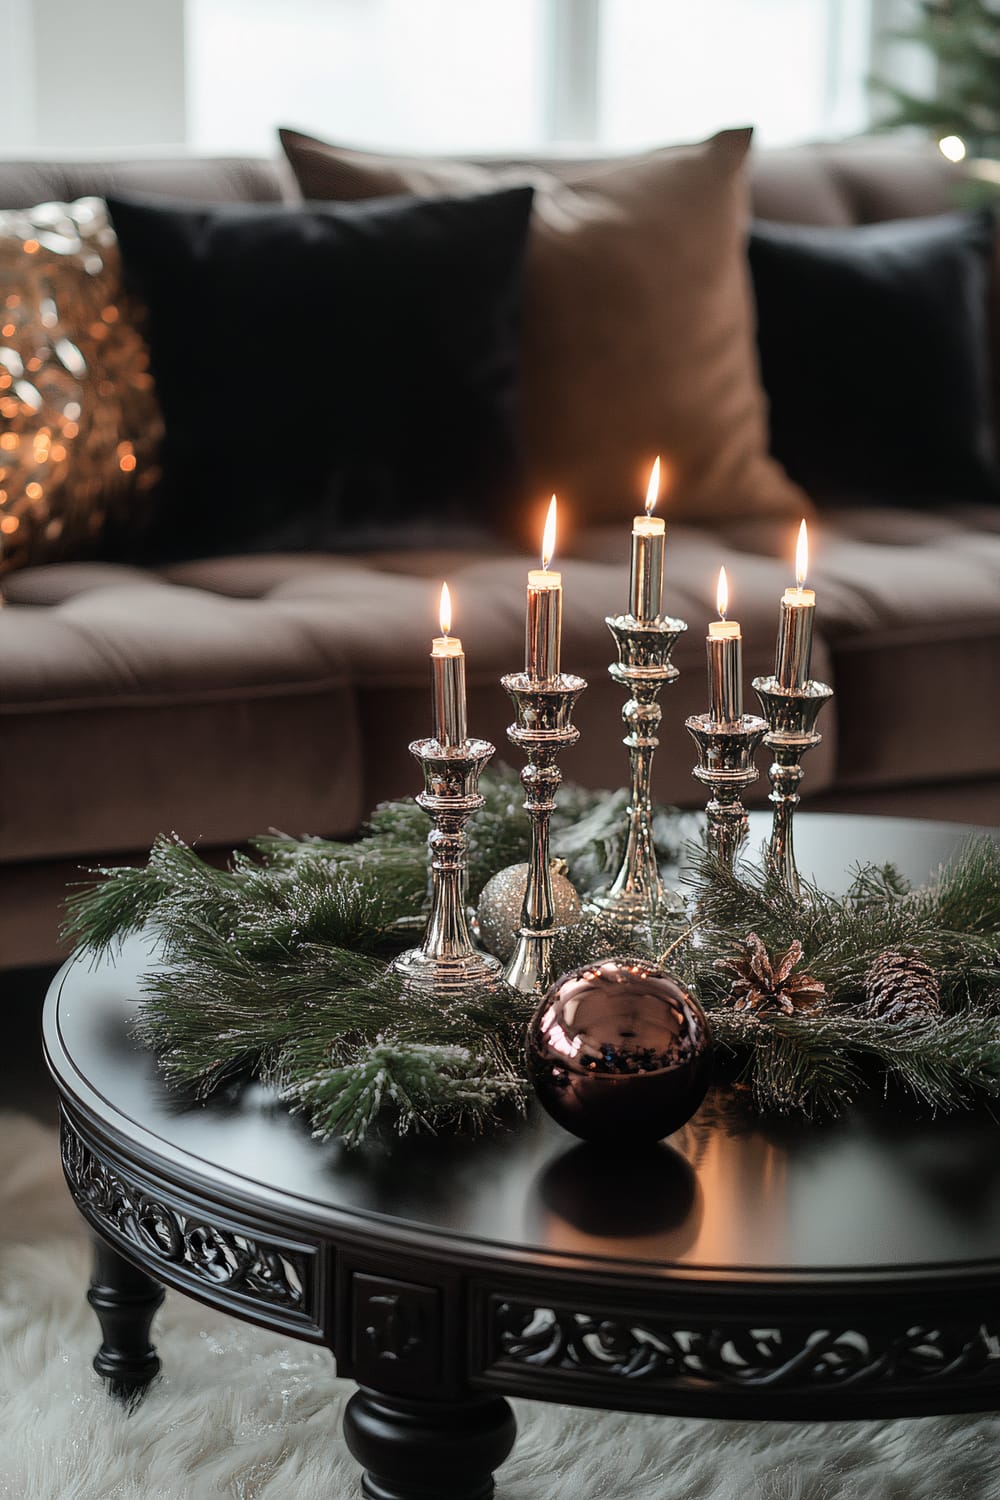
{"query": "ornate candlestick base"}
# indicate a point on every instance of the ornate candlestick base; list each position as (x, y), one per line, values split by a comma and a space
(636, 894)
(542, 730)
(791, 714)
(446, 962)
(725, 763)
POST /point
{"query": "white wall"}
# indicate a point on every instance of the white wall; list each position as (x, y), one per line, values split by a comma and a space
(17, 49)
(92, 74)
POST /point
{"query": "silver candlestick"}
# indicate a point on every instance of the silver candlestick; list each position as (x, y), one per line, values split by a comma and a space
(446, 962)
(791, 713)
(542, 730)
(636, 894)
(725, 763)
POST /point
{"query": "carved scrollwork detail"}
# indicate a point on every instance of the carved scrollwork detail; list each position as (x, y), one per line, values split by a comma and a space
(742, 1358)
(207, 1252)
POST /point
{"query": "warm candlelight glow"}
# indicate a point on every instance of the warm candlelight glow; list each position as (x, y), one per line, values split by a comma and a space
(543, 622)
(448, 680)
(725, 661)
(802, 556)
(549, 534)
(793, 653)
(645, 589)
(653, 488)
(722, 594)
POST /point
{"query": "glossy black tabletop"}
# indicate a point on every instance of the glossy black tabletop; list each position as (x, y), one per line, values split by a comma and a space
(725, 1198)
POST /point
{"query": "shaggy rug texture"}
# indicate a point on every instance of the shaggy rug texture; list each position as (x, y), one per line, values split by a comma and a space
(247, 1415)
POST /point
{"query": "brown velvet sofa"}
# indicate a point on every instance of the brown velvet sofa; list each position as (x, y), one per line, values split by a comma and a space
(221, 697)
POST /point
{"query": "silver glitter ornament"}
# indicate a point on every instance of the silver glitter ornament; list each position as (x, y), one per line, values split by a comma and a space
(499, 913)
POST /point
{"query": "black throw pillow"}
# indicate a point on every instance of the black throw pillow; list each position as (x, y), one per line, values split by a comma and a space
(331, 375)
(874, 355)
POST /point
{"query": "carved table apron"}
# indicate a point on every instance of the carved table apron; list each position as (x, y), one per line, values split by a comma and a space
(742, 1270)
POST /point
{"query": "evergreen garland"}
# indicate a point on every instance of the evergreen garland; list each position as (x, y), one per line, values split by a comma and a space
(276, 968)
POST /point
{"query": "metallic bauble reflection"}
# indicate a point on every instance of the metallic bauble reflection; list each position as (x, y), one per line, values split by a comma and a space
(618, 1050)
(611, 1195)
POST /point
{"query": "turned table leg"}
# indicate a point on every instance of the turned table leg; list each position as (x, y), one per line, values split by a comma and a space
(424, 1450)
(125, 1300)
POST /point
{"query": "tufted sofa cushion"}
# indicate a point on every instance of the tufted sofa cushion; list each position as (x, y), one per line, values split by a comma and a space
(295, 683)
(194, 697)
(130, 701)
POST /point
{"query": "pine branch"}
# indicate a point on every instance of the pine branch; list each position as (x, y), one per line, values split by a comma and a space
(593, 939)
(814, 1066)
(792, 1065)
(101, 914)
(125, 899)
(422, 1086)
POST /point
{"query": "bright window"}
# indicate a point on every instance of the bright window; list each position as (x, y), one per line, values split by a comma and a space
(486, 74)
(441, 75)
(418, 74)
(794, 69)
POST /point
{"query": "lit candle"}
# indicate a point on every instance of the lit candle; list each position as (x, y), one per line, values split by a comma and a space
(795, 630)
(448, 680)
(646, 582)
(725, 662)
(543, 622)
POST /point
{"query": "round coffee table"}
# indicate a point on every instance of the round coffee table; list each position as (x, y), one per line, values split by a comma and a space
(741, 1270)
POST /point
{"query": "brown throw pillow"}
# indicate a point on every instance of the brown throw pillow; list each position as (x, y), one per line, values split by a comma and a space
(637, 331)
(80, 424)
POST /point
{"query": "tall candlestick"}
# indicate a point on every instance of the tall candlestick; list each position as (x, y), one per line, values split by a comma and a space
(543, 621)
(793, 655)
(448, 681)
(725, 662)
(646, 579)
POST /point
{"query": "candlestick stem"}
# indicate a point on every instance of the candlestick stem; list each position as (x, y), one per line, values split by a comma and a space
(446, 961)
(542, 729)
(725, 764)
(636, 894)
(791, 713)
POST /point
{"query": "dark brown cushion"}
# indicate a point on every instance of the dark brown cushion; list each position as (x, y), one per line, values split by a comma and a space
(637, 324)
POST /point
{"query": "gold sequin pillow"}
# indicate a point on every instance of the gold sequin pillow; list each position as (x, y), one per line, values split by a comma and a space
(80, 424)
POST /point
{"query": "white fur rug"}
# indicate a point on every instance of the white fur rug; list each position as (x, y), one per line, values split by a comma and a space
(243, 1414)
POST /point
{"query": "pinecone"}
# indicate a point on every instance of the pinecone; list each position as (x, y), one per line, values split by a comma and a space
(901, 987)
(762, 983)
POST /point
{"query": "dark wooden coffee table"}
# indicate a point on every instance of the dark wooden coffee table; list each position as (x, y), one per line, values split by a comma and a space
(742, 1270)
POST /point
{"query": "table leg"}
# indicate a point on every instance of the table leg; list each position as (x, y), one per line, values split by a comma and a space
(125, 1300)
(423, 1450)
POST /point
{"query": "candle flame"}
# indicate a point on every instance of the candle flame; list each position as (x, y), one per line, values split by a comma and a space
(653, 488)
(802, 556)
(549, 535)
(722, 594)
(444, 614)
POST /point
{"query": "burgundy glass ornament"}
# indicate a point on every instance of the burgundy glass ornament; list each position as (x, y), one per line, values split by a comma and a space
(618, 1050)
